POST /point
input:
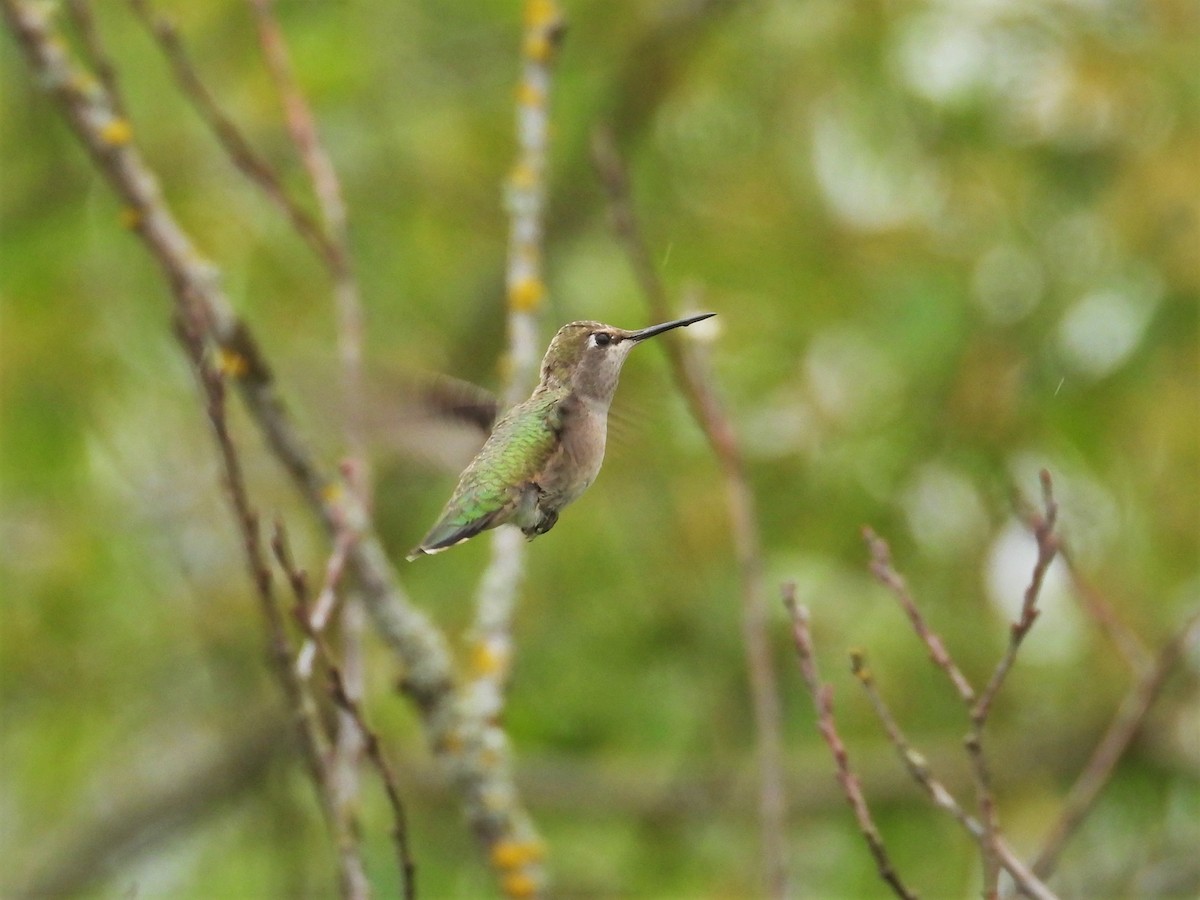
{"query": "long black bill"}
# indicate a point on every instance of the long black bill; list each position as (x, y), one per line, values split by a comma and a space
(667, 326)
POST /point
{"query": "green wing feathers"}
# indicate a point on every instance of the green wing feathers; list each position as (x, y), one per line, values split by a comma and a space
(489, 490)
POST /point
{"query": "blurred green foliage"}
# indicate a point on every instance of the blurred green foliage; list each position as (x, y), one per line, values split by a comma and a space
(949, 244)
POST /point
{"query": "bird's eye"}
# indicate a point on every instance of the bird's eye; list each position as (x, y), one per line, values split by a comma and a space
(602, 338)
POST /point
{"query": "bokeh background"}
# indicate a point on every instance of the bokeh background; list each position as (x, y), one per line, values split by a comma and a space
(949, 244)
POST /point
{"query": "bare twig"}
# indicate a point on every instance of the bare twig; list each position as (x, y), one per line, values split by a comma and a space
(303, 129)
(1120, 734)
(94, 52)
(229, 136)
(491, 802)
(822, 695)
(714, 422)
(352, 708)
(918, 767)
(348, 743)
(1047, 546)
(886, 574)
(323, 607)
(328, 190)
(314, 741)
(1123, 638)
(994, 851)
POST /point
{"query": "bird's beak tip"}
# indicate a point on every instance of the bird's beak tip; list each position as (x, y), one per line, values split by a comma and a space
(667, 326)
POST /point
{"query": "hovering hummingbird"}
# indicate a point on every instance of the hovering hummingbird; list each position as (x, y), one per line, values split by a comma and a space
(543, 453)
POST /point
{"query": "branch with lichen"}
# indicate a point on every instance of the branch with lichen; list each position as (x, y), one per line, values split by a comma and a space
(709, 413)
(488, 796)
(490, 642)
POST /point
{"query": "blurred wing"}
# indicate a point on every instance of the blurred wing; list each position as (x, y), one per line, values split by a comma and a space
(459, 401)
(437, 421)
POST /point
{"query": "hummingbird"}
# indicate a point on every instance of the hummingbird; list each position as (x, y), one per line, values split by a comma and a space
(544, 453)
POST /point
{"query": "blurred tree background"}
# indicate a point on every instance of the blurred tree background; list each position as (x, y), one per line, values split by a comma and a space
(949, 244)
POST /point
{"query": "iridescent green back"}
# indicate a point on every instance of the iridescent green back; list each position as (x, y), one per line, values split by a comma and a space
(517, 450)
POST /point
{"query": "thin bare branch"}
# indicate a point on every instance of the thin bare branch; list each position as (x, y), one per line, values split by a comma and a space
(230, 137)
(95, 54)
(822, 695)
(488, 795)
(1047, 542)
(707, 409)
(1047, 547)
(352, 876)
(322, 609)
(350, 705)
(1112, 747)
(1123, 638)
(327, 188)
(886, 574)
(918, 767)
(349, 739)
(916, 763)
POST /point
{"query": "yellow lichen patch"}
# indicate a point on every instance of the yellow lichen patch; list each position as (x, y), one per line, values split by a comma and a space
(538, 47)
(490, 757)
(518, 884)
(487, 659)
(116, 132)
(232, 364)
(541, 13)
(522, 177)
(525, 294)
(451, 742)
(509, 855)
(529, 94)
(81, 81)
(130, 217)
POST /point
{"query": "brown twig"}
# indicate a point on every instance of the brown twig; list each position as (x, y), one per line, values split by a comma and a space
(348, 743)
(886, 574)
(235, 144)
(327, 189)
(490, 800)
(95, 54)
(1047, 547)
(918, 767)
(709, 413)
(314, 741)
(822, 695)
(322, 609)
(1123, 638)
(1112, 747)
(350, 705)
(995, 853)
